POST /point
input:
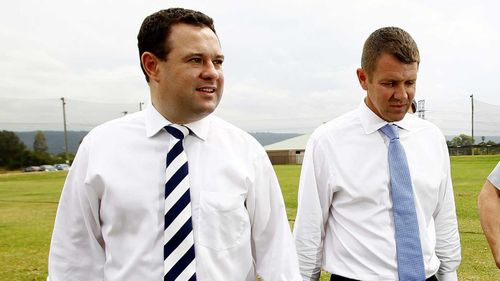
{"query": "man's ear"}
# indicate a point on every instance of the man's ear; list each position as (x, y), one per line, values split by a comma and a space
(150, 63)
(362, 78)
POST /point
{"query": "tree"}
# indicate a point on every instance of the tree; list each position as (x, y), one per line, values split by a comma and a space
(31, 158)
(61, 157)
(462, 140)
(11, 150)
(40, 143)
(490, 142)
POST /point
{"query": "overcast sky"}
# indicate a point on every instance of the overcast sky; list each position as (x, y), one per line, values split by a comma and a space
(290, 65)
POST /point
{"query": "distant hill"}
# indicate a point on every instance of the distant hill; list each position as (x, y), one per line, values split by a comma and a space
(269, 138)
(55, 139)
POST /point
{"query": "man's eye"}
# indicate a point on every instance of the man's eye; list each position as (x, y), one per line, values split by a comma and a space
(388, 84)
(218, 62)
(195, 60)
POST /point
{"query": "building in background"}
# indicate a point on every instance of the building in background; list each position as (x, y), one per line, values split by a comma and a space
(290, 151)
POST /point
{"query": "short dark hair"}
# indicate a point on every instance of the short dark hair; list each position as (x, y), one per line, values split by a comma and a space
(391, 40)
(156, 28)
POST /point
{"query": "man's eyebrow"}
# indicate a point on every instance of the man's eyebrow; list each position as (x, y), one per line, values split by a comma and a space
(201, 55)
(193, 55)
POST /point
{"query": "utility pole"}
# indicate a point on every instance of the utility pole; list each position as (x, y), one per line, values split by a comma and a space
(472, 122)
(65, 131)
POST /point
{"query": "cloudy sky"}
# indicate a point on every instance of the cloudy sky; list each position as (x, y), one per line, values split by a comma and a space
(290, 65)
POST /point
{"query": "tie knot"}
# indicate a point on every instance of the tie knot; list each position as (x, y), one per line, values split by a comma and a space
(391, 131)
(177, 131)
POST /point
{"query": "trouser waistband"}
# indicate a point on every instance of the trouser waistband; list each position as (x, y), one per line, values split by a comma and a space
(335, 277)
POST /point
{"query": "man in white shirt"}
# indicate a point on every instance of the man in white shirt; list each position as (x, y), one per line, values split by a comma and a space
(110, 219)
(345, 221)
(489, 211)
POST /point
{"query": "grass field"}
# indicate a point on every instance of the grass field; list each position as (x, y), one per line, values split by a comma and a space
(28, 203)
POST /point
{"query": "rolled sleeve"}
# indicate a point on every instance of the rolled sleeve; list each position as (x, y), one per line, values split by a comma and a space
(494, 177)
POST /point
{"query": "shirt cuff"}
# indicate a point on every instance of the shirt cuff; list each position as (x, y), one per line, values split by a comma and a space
(447, 276)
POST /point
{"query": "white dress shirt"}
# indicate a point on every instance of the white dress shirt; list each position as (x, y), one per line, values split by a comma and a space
(494, 176)
(109, 223)
(344, 218)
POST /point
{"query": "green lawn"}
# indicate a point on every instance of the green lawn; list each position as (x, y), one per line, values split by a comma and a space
(28, 203)
(469, 174)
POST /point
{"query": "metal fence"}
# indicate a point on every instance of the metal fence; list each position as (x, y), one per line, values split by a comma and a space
(474, 150)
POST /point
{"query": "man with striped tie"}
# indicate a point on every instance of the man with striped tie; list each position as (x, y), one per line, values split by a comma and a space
(173, 192)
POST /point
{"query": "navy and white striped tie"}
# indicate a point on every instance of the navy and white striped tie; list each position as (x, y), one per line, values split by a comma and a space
(408, 248)
(178, 252)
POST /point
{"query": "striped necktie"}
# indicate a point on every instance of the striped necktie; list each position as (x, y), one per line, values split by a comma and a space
(178, 252)
(408, 248)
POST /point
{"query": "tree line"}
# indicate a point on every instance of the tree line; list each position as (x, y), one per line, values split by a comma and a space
(14, 154)
(466, 140)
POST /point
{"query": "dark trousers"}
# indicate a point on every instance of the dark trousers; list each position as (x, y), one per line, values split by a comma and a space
(335, 277)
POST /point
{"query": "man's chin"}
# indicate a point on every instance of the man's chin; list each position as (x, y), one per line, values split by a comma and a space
(394, 117)
(205, 111)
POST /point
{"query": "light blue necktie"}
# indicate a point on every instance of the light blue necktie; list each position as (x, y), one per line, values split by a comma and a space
(408, 248)
(178, 251)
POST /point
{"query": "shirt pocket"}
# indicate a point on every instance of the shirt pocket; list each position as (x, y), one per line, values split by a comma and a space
(223, 220)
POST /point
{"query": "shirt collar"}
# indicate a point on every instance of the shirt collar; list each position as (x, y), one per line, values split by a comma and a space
(155, 122)
(371, 122)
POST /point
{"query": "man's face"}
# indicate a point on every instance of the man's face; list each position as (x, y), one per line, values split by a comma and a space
(190, 80)
(391, 88)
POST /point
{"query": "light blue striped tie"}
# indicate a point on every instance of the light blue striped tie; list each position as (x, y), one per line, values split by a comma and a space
(408, 248)
(178, 251)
